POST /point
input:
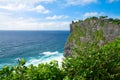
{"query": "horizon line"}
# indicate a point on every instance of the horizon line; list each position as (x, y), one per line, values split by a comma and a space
(34, 30)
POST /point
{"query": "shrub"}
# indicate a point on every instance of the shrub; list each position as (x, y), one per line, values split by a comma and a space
(95, 63)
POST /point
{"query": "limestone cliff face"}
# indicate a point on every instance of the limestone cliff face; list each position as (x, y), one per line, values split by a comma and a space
(85, 31)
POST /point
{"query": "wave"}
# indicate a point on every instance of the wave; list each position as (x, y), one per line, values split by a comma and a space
(46, 58)
(50, 53)
(16, 59)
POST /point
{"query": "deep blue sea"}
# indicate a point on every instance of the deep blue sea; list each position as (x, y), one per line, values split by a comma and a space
(33, 46)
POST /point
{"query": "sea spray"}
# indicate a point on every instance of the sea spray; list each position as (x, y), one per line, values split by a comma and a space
(48, 56)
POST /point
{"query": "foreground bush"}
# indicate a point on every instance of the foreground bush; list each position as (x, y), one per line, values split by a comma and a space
(94, 63)
(48, 71)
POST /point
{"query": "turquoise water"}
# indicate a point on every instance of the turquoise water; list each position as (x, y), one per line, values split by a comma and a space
(34, 46)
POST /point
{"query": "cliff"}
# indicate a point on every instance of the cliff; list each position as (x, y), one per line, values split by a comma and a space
(100, 30)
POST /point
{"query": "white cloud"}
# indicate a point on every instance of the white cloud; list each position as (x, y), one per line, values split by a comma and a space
(24, 5)
(80, 2)
(110, 1)
(56, 17)
(12, 7)
(40, 9)
(4, 13)
(9, 22)
(90, 14)
(26, 1)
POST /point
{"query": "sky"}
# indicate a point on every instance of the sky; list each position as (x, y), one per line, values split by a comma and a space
(52, 14)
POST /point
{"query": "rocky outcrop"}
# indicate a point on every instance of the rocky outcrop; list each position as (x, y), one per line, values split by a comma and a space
(85, 31)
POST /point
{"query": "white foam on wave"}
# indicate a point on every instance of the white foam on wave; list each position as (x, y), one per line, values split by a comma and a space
(59, 57)
(33, 61)
(50, 53)
(17, 59)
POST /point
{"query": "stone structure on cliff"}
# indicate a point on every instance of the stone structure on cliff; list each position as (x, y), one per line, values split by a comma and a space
(85, 30)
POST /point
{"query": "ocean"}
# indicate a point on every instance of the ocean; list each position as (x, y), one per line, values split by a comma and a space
(34, 46)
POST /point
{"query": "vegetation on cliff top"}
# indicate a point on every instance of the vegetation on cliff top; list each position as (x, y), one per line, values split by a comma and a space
(105, 18)
(89, 62)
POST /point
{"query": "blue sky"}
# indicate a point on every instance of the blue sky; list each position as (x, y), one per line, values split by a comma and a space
(52, 14)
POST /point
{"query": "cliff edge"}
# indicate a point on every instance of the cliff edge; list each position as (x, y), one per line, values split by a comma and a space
(100, 30)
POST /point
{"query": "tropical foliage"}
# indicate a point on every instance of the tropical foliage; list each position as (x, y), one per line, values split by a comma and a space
(94, 63)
